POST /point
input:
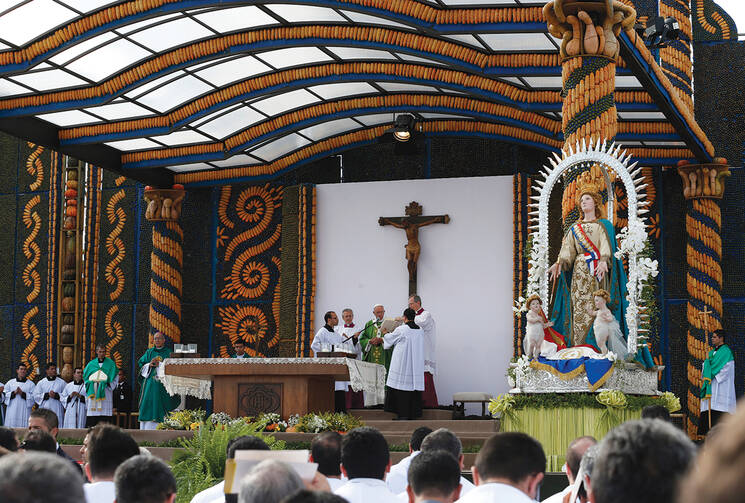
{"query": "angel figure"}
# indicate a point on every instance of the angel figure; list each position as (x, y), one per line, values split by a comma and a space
(539, 329)
(607, 330)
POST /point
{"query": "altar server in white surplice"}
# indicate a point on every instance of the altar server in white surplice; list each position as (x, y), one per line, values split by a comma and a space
(73, 399)
(348, 330)
(406, 375)
(48, 392)
(426, 322)
(19, 399)
(327, 338)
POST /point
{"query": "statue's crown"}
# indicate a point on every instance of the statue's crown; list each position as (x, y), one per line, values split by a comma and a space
(586, 184)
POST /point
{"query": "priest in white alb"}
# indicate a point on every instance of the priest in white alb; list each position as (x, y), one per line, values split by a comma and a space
(405, 383)
(19, 399)
(73, 399)
(48, 392)
(348, 330)
(329, 339)
(424, 319)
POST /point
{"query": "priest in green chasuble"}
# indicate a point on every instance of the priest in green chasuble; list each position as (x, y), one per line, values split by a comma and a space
(371, 342)
(155, 402)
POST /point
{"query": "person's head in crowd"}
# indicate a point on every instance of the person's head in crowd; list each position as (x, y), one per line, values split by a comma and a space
(77, 375)
(44, 420)
(144, 479)
(585, 467)
(656, 412)
(245, 443)
(100, 352)
(122, 376)
(718, 476)
(444, 440)
(21, 371)
(269, 482)
(38, 440)
(51, 371)
(575, 451)
(642, 462)
(415, 442)
(325, 449)
(434, 475)
(84, 446)
(364, 454)
(718, 338)
(8, 439)
(511, 458)
(108, 447)
(331, 319)
(39, 476)
(308, 496)
(239, 347)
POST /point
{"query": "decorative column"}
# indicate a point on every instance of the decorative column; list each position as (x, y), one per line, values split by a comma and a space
(166, 261)
(589, 51)
(703, 187)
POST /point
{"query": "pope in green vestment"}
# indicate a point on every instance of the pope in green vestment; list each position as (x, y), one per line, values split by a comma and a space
(375, 353)
(155, 402)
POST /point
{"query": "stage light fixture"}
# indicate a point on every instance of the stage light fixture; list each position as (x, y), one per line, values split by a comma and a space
(661, 31)
(402, 128)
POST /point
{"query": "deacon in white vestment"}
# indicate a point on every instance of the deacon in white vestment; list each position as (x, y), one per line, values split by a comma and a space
(397, 478)
(406, 374)
(363, 490)
(48, 392)
(426, 322)
(328, 338)
(493, 491)
(19, 398)
(73, 399)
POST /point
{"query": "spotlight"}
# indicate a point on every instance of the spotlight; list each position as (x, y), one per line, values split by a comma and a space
(402, 128)
(661, 31)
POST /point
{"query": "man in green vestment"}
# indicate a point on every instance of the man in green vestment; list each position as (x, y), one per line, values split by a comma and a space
(718, 383)
(371, 342)
(100, 377)
(155, 402)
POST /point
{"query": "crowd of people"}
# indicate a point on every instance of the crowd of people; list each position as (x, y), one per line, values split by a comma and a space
(644, 461)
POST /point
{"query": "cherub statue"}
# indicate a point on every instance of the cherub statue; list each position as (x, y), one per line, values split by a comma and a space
(536, 325)
(607, 330)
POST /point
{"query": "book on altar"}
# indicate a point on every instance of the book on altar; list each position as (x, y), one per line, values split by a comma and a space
(390, 324)
(245, 460)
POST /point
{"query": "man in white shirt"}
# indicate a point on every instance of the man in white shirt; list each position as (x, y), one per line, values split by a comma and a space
(19, 397)
(427, 323)
(108, 447)
(216, 493)
(328, 338)
(397, 478)
(365, 460)
(325, 449)
(575, 451)
(434, 476)
(509, 468)
(48, 392)
(240, 349)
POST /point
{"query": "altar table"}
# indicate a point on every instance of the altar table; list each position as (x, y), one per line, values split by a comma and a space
(287, 386)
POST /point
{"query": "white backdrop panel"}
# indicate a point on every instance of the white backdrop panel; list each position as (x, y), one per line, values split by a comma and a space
(464, 272)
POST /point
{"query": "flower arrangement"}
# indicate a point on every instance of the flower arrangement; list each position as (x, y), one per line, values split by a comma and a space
(612, 398)
(264, 422)
(670, 401)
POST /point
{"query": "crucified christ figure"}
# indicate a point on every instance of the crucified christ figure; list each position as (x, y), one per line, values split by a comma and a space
(411, 224)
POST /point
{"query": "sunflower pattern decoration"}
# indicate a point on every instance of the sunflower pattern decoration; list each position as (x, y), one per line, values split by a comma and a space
(248, 249)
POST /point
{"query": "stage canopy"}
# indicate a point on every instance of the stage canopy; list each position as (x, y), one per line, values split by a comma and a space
(198, 91)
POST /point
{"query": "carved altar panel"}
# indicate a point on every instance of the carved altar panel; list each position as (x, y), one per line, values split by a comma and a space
(255, 398)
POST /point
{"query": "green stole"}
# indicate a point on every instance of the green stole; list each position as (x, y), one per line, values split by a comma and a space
(715, 362)
(371, 353)
(108, 368)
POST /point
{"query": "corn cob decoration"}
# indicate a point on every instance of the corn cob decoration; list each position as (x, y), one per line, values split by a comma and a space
(306, 268)
(703, 185)
(675, 58)
(166, 261)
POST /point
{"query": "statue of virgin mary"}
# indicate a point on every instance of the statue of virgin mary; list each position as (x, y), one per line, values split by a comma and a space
(587, 263)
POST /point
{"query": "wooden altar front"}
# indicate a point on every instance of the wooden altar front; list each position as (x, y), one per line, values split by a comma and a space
(251, 387)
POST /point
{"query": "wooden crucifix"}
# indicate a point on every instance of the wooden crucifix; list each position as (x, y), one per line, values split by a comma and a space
(411, 224)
